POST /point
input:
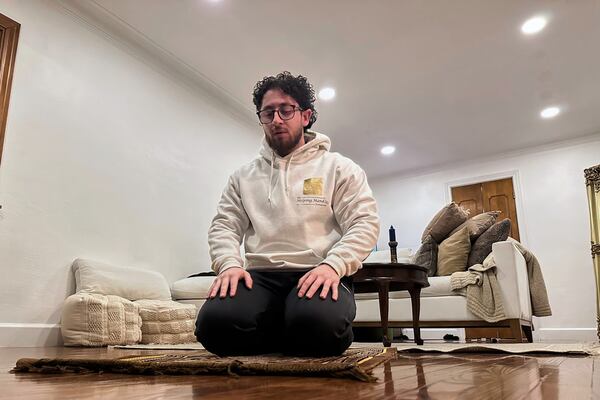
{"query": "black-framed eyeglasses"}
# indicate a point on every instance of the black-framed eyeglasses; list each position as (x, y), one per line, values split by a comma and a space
(285, 112)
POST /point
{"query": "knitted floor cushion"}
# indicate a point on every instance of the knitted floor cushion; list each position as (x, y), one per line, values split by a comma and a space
(169, 338)
(155, 328)
(98, 320)
(165, 310)
(167, 322)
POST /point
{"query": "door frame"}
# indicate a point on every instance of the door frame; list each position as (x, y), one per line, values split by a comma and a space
(514, 174)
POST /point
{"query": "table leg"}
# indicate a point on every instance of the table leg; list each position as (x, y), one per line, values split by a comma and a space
(384, 290)
(415, 299)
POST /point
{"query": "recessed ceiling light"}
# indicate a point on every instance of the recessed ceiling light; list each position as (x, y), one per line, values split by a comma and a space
(534, 25)
(327, 93)
(387, 150)
(550, 112)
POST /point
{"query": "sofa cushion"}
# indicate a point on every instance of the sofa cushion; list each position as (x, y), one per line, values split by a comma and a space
(444, 222)
(384, 256)
(453, 253)
(97, 320)
(478, 224)
(197, 289)
(483, 245)
(438, 286)
(427, 255)
(128, 282)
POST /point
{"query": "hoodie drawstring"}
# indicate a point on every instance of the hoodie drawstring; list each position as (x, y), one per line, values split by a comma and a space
(287, 174)
(271, 175)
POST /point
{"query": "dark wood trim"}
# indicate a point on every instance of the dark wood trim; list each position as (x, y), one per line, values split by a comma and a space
(513, 324)
(8, 52)
(444, 324)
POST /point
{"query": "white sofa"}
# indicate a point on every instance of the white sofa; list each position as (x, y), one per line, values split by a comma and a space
(440, 306)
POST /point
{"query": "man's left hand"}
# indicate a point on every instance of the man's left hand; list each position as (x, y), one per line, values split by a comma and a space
(323, 275)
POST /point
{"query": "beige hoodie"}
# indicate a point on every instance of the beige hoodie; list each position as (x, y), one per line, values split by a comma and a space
(295, 212)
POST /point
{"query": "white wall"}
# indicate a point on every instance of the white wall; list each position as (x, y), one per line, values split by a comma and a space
(553, 221)
(105, 158)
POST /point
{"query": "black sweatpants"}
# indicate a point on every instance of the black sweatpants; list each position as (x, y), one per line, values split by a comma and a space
(271, 318)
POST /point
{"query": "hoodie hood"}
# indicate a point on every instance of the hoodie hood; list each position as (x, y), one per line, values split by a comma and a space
(315, 144)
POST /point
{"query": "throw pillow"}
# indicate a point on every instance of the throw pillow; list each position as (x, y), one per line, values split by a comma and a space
(453, 253)
(444, 222)
(427, 256)
(483, 245)
(478, 224)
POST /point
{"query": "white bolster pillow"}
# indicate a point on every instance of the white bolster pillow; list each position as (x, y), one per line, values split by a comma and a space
(128, 282)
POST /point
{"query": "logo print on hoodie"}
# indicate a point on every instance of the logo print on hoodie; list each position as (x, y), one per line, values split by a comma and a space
(313, 187)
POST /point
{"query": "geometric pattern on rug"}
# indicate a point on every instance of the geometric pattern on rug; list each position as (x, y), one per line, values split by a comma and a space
(355, 363)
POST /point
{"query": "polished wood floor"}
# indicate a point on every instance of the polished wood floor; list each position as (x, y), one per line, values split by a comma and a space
(411, 376)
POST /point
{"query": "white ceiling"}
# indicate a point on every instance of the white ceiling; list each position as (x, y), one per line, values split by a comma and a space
(443, 81)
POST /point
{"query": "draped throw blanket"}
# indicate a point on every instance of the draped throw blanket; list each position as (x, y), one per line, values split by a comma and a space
(484, 298)
(540, 305)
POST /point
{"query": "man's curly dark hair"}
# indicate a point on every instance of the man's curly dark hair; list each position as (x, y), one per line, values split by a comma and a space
(297, 87)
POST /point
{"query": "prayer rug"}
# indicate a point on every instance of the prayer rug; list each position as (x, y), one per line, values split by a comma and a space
(355, 363)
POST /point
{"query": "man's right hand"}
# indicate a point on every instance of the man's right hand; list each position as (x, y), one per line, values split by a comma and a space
(229, 279)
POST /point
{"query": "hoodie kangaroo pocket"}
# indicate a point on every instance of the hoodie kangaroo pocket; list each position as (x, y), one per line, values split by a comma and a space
(295, 259)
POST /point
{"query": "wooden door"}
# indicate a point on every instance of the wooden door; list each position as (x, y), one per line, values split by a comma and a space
(9, 35)
(469, 197)
(480, 197)
(496, 195)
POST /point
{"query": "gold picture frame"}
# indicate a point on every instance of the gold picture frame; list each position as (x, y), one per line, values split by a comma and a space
(592, 183)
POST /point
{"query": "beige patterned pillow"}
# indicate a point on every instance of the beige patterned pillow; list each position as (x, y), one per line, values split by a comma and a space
(453, 253)
(478, 224)
(444, 222)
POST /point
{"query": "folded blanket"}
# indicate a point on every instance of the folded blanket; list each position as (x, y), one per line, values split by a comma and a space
(483, 291)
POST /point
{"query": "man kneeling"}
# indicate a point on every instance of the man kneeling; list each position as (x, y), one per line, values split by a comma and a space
(307, 218)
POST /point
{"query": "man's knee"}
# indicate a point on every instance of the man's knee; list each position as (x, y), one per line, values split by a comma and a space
(221, 313)
(311, 316)
(219, 323)
(315, 326)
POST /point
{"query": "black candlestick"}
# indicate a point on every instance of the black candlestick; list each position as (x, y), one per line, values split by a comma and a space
(394, 256)
(392, 234)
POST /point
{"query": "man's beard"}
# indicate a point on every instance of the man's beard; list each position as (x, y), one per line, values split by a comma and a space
(284, 145)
